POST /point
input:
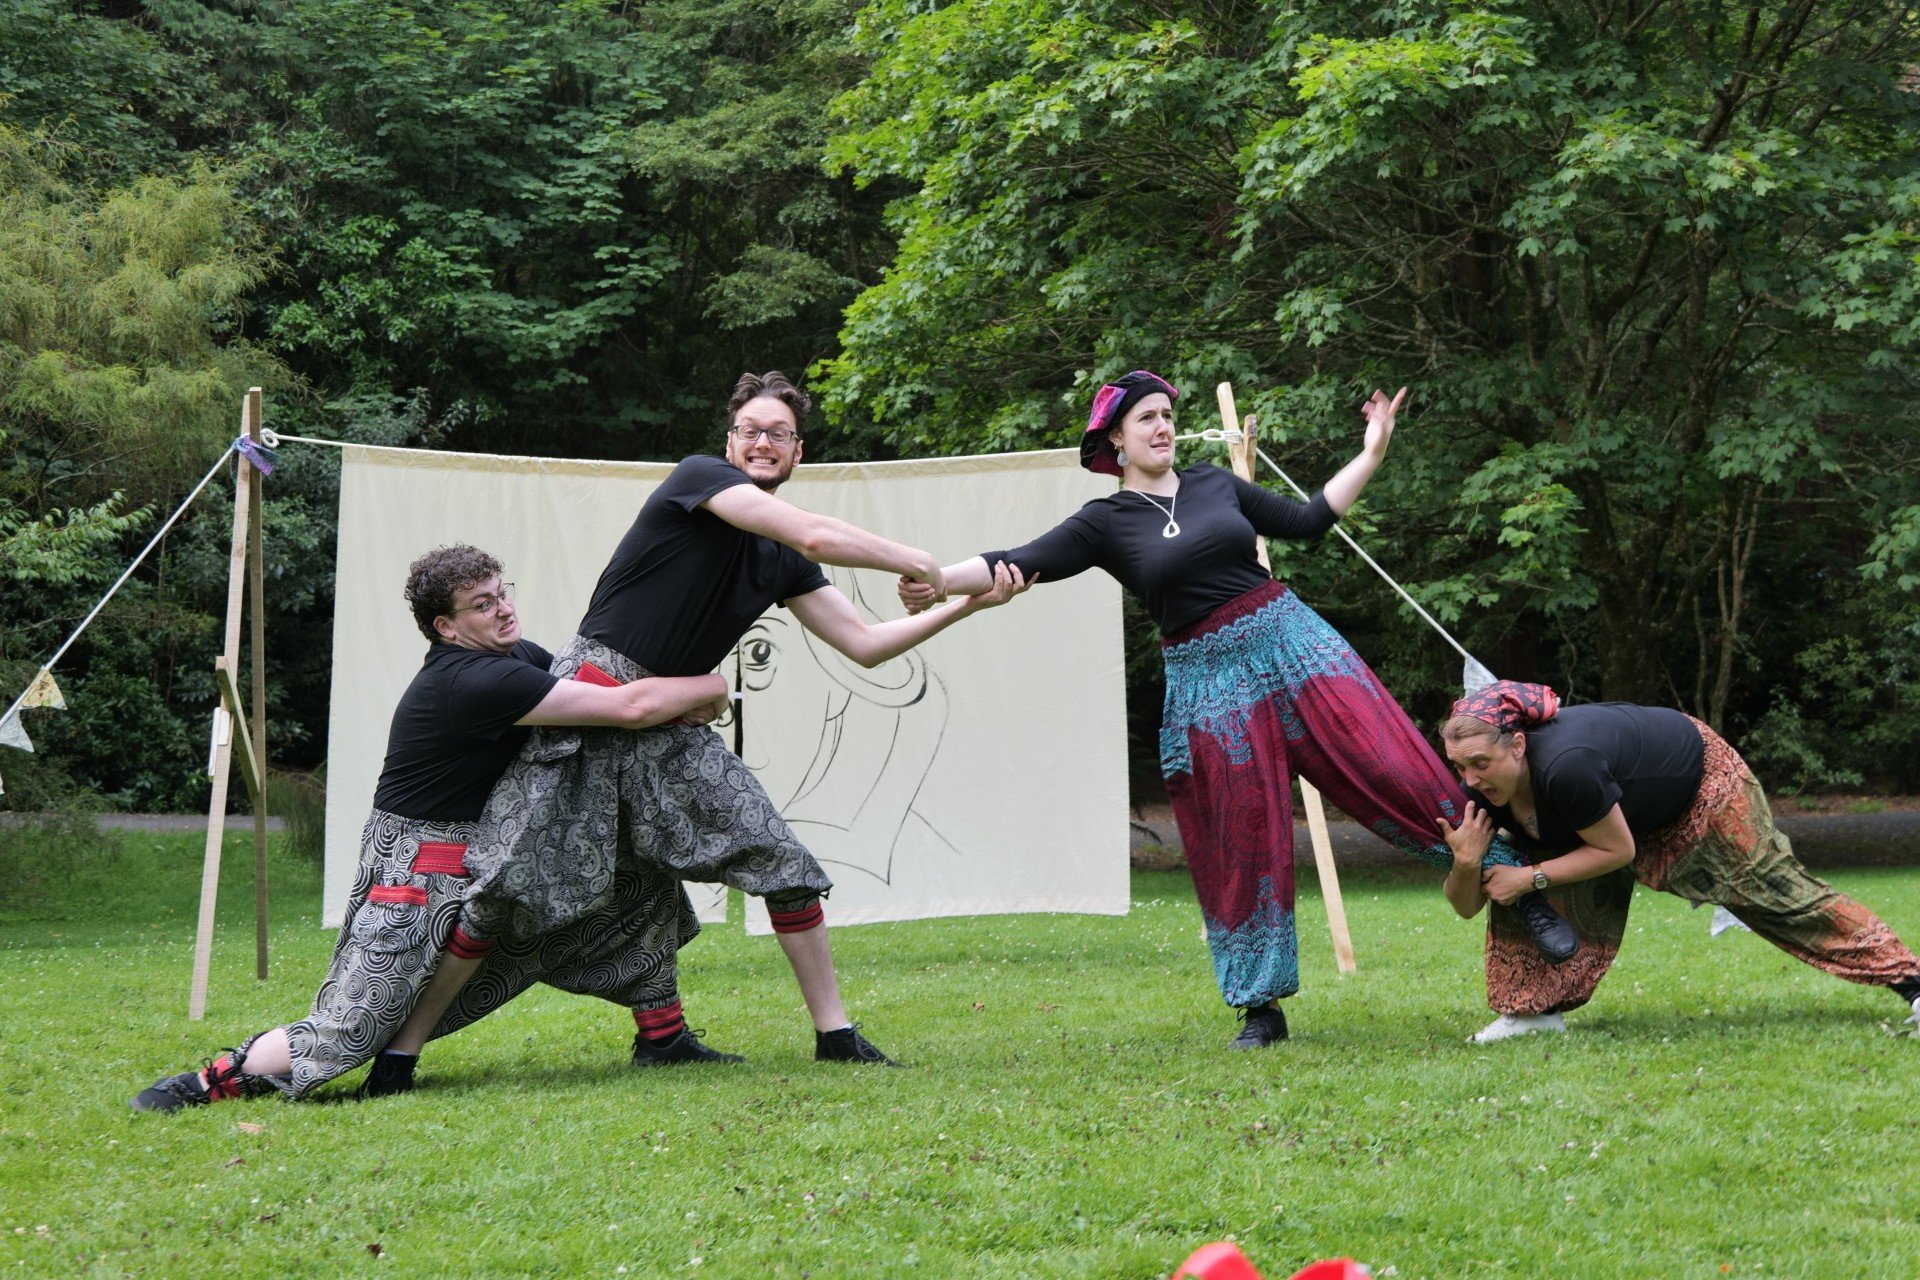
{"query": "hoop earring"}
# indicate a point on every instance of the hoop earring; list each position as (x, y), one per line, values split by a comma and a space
(1120, 456)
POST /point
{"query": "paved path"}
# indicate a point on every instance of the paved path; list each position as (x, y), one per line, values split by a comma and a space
(1887, 839)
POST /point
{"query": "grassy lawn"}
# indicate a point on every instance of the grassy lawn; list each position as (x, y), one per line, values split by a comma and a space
(1070, 1112)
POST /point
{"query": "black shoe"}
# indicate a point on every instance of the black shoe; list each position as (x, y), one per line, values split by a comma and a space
(1265, 1025)
(392, 1073)
(172, 1093)
(1556, 939)
(684, 1047)
(224, 1079)
(848, 1045)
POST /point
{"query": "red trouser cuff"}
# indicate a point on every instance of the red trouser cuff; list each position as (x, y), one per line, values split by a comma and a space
(468, 947)
(808, 917)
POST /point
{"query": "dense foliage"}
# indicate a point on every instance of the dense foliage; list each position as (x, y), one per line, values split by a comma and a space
(1650, 268)
(1653, 271)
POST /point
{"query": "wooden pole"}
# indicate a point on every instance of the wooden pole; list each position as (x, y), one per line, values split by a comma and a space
(257, 604)
(226, 720)
(1241, 453)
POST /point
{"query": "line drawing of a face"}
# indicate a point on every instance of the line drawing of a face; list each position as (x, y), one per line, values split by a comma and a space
(847, 781)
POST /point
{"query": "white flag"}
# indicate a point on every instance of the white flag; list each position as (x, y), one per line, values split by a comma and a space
(13, 733)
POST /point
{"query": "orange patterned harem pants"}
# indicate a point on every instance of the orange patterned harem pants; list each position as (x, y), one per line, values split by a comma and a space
(1725, 851)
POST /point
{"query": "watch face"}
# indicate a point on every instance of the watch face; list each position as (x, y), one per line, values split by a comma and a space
(1540, 880)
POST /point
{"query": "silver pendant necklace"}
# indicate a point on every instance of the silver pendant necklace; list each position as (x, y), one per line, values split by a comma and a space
(1173, 526)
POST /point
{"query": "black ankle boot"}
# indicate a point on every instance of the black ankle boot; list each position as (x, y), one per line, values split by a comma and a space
(392, 1073)
(1556, 939)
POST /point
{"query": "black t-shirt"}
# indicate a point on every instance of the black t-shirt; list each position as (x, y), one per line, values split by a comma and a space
(684, 585)
(453, 733)
(1589, 758)
(1180, 580)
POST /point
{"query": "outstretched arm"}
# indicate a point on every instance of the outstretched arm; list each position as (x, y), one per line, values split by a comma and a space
(821, 539)
(1345, 487)
(638, 704)
(831, 616)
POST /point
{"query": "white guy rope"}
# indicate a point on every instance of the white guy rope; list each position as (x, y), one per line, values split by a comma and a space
(1221, 435)
(177, 513)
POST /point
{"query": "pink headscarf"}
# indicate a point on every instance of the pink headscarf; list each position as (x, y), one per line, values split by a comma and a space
(1509, 705)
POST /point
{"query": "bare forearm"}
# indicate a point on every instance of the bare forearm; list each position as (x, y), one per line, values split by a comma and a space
(1344, 489)
(659, 699)
(831, 541)
(883, 640)
(1584, 863)
(968, 578)
(1463, 889)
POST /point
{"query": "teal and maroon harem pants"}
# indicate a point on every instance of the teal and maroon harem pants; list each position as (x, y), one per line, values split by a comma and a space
(1258, 690)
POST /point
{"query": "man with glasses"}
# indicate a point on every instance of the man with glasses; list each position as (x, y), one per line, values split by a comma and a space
(462, 719)
(711, 550)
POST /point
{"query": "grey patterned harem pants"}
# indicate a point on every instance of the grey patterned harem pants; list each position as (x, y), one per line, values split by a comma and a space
(405, 902)
(578, 803)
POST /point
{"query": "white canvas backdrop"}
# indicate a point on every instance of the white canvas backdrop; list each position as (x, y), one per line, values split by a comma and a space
(982, 773)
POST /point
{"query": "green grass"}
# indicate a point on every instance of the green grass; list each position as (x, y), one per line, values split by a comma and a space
(1070, 1111)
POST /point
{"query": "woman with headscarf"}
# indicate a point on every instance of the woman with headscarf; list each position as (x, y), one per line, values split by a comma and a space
(1258, 685)
(1609, 793)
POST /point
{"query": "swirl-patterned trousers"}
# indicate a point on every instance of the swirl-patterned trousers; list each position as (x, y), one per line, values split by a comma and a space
(1257, 691)
(577, 803)
(1725, 851)
(400, 917)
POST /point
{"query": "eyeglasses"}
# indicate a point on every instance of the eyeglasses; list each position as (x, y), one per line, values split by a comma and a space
(485, 606)
(774, 435)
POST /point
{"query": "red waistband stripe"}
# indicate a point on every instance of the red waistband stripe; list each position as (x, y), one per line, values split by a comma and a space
(590, 674)
(397, 893)
(437, 858)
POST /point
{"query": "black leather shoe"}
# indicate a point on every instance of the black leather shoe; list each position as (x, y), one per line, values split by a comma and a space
(684, 1047)
(1265, 1025)
(1556, 939)
(848, 1045)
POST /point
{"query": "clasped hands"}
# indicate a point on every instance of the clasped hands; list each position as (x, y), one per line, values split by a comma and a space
(1008, 582)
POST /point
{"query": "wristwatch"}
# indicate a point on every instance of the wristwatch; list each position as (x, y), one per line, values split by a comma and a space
(1540, 880)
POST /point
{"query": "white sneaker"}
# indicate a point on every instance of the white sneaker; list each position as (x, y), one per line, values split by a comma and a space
(1914, 1021)
(1519, 1024)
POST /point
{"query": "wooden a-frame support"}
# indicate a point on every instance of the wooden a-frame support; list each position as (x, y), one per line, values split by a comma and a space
(246, 568)
(1241, 450)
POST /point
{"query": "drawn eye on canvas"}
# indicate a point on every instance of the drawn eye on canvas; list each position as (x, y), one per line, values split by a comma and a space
(843, 750)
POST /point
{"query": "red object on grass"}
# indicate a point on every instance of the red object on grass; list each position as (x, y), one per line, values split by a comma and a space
(1224, 1261)
(1333, 1269)
(1216, 1262)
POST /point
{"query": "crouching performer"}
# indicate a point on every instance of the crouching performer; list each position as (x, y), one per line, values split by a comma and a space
(461, 720)
(1601, 796)
(710, 551)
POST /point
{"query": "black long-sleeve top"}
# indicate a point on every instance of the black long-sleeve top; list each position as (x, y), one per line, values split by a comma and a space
(1182, 579)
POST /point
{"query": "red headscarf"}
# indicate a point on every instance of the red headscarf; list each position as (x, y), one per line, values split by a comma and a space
(1509, 705)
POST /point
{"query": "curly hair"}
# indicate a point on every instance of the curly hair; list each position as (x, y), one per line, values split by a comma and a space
(772, 383)
(433, 579)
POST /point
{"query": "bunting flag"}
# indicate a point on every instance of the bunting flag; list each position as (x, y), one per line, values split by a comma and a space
(262, 458)
(13, 733)
(43, 692)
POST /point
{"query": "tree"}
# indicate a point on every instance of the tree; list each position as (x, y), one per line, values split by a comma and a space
(569, 226)
(120, 373)
(1650, 267)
